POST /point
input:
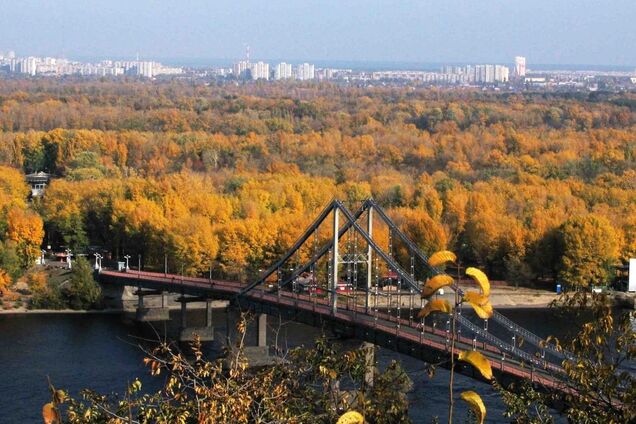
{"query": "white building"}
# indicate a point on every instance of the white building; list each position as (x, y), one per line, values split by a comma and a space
(283, 71)
(520, 66)
(26, 65)
(502, 73)
(259, 70)
(305, 72)
(145, 69)
(239, 69)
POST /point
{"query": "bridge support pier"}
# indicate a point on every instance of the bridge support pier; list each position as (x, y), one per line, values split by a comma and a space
(259, 355)
(205, 333)
(369, 363)
(150, 314)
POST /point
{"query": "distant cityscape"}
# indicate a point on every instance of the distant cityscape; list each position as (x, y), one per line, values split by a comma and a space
(495, 76)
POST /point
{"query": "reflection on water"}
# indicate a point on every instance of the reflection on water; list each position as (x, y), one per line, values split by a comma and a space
(101, 352)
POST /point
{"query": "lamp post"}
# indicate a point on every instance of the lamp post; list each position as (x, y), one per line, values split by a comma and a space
(68, 258)
(127, 257)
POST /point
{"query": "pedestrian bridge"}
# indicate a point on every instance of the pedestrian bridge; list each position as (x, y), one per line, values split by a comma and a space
(343, 280)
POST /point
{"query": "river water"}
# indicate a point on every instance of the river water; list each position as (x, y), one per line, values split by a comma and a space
(101, 352)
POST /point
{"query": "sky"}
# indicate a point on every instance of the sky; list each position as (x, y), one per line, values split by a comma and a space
(566, 32)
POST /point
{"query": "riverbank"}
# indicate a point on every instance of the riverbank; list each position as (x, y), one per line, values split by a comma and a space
(19, 311)
(500, 298)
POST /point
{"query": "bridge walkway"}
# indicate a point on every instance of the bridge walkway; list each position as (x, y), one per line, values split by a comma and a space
(409, 336)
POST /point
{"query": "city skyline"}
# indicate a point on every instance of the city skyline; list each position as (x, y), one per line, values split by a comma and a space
(567, 33)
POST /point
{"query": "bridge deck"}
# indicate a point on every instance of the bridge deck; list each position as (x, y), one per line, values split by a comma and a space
(373, 325)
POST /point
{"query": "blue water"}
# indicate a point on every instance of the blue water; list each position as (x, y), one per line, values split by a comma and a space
(101, 352)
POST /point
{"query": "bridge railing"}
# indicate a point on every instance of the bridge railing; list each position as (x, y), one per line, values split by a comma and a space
(497, 316)
(351, 224)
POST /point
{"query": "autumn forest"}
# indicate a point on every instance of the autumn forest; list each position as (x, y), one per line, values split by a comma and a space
(530, 187)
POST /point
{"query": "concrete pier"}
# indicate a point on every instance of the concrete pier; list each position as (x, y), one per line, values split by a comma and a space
(147, 314)
(259, 355)
(205, 333)
(369, 362)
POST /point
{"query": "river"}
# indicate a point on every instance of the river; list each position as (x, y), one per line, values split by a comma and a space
(100, 352)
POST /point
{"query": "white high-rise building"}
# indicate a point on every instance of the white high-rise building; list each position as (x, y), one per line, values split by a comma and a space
(520, 66)
(145, 69)
(305, 72)
(259, 70)
(239, 69)
(26, 65)
(502, 73)
(283, 71)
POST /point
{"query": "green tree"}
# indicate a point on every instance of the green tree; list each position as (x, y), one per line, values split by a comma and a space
(589, 246)
(9, 259)
(83, 292)
(73, 233)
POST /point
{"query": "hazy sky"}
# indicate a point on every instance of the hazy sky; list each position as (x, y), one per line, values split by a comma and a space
(546, 31)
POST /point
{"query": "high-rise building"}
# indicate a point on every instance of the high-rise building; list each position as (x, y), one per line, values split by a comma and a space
(239, 69)
(145, 69)
(520, 66)
(283, 71)
(305, 72)
(259, 70)
(26, 65)
(502, 73)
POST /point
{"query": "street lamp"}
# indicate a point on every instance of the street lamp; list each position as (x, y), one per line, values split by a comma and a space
(68, 258)
(127, 257)
(98, 262)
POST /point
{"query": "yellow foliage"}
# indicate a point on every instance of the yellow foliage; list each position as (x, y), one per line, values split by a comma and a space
(13, 189)
(351, 417)
(480, 278)
(36, 280)
(442, 257)
(480, 303)
(50, 414)
(435, 283)
(436, 305)
(478, 361)
(5, 282)
(27, 230)
(476, 404)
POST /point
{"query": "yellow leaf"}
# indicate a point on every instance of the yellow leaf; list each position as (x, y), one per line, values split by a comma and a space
(441, 258)
(351, 417)
(474, 297)
(436, 305)
(480, 304)
(435, 283)
(476, 404)
(49, 413)
(484, 311)
(480, 278)
(478, 361)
